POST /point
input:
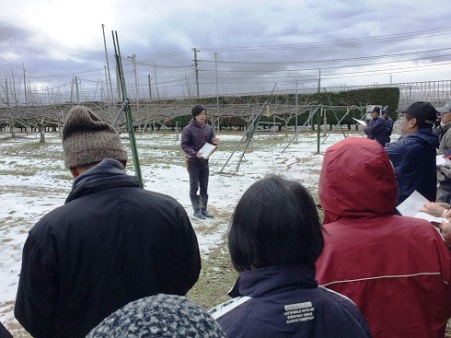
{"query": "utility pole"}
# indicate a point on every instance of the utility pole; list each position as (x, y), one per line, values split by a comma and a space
(76, 89)
(133, 57)
(150, 87)
(196, 71)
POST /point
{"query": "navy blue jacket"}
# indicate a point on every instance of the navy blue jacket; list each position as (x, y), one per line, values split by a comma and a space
(287, 302)
(389, 125)
(109, 244)
(378, 129)
(414, 159)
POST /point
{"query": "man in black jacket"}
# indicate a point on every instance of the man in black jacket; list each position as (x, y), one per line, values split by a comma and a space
(109, 244)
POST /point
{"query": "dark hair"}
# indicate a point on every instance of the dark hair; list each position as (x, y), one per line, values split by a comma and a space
(275, 223)
(424, 113)
(197, 110)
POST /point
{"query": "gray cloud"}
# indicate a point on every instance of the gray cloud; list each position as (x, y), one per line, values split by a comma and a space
(248, 46)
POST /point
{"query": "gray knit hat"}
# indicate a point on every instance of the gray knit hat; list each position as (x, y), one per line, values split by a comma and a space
(87, 139)
(161, 315)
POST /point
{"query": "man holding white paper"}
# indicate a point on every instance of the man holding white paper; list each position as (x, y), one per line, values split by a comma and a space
(377, 129)
(196, 136)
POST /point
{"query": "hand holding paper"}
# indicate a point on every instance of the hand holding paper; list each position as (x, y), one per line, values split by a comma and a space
(413, 205)
(206, 150)
(363, 123)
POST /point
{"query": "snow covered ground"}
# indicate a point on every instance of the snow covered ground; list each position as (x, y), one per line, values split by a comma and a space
(33, 181)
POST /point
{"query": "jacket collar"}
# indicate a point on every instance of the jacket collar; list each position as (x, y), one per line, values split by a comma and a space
(107, 174)
(257, 283)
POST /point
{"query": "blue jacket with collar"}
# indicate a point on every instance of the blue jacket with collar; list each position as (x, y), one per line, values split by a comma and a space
(414, 159)
(286, 301)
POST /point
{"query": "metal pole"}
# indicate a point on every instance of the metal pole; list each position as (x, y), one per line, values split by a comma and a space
(25, 85)
(156, 80)
(297, 107)
(318, 119)
(108, 66)
(217, 91)
(133, 57)
(128, 113)
(150, 87)
(319, 115)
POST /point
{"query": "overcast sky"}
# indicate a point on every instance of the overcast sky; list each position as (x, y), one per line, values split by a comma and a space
(243, 46)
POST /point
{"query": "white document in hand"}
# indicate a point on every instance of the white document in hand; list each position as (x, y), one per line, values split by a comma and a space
(412, 205)
(440, 160)
(206, 150)
(363, 123)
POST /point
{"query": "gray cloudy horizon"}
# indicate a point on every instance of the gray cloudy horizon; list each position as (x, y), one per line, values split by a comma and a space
(242, 46)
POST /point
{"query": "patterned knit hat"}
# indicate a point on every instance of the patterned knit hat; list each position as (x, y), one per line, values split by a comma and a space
(87, 139)
(159, 316)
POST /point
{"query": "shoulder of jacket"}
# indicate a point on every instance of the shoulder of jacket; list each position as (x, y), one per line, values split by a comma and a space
(226, 307)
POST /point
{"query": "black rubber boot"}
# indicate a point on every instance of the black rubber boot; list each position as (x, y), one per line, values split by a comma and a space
(196, 206)
(203, 207)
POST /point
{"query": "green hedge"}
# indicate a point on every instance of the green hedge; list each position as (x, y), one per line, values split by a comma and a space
(335, 105)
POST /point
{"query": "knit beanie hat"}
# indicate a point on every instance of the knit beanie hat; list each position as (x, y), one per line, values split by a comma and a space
(161, 315)
(87, 139)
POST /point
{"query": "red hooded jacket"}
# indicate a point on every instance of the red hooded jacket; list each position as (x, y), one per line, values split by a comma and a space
(395, 268)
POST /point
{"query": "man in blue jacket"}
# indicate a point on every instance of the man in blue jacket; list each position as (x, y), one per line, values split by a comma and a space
(413, 155)
(111, 243)
(377, 129)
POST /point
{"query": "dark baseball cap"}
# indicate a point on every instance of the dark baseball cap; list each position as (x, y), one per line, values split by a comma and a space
(423, 112)
(376, 109)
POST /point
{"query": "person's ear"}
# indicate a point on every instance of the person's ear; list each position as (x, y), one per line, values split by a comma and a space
(74, 172)
(412, 122)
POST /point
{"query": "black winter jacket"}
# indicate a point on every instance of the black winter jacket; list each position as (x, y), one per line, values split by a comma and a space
(109, 244)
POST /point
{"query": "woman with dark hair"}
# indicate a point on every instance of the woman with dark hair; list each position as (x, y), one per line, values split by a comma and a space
(275, 239)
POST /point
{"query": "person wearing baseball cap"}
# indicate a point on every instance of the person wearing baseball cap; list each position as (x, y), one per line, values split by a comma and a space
(444, 134)
(445, 109)
(442, 129)
(377, 129)
(413, 155)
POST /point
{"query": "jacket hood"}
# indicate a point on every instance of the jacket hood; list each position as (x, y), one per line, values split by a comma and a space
(357, 180)
(426, 135)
